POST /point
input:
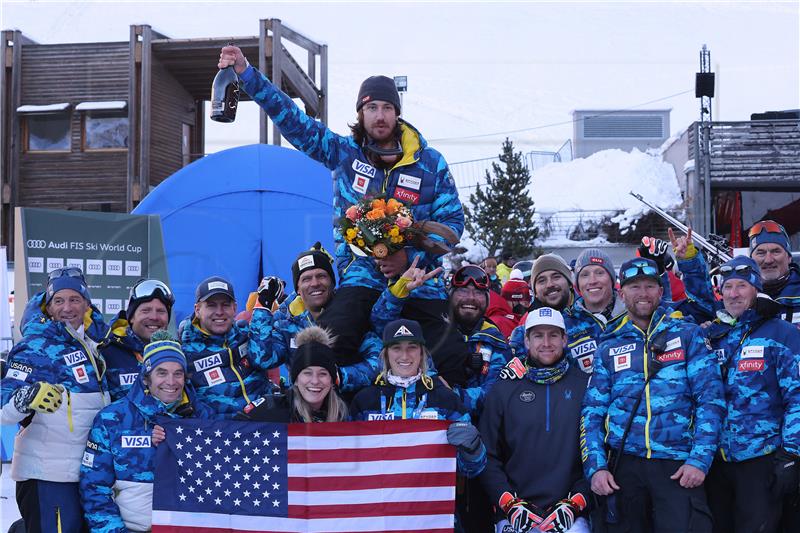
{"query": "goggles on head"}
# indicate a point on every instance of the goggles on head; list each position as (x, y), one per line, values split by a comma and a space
(72, 272)
(471, 274)
(147, 289)
(742, 270)
(770, 226)
(638, 268)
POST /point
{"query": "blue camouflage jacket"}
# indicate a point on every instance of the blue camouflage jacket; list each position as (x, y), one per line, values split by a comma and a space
(229, 372)
(583, 332)
(681, 411)
(421, 178)
(427, 399)
(116, 481)
(292, 317)
(486, 340)
(122, 350)
(760, 361)
(94, 322)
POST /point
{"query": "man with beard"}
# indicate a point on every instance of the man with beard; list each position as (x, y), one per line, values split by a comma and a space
(383, 157)
(757, 463)
(652, 413)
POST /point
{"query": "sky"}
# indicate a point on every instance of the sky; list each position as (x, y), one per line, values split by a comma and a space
(515, 69)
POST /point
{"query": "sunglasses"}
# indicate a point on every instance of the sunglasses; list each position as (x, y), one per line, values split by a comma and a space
(638, 268)
(471, 274)
(71, 272)
(770, 226)
(742, 270)
(150, 288)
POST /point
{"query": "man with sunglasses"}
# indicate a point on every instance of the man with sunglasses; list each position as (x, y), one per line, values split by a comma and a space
(758, 460)
(652, 413)
(383, 157)
(53, 386)
(149, 310)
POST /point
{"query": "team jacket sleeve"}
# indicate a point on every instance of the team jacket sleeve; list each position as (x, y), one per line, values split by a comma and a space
(469, 467)
(474, 395)
(446, 209)
(97, 479)
(698, 283)
(593, 416)
(266, 344)
(25, 366)
(517, 343)
(788, 369)
(306, 134)
(360, 375)
(387, 308)
(705, 381)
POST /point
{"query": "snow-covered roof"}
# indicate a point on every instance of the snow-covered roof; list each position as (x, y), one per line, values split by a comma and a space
(101, 105)
(49, 108)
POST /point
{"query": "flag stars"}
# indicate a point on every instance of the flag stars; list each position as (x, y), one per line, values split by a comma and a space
(217, 501)
(217, 433)
(266, 477)
(208, 440)
(276, 468)
(199, 465)
(246, 477)
(200, 498)
(183, 479)
(266, 494)
(276, 486)
(190, 472)
(246, 442)
(236, 468)
(208, 457)
(180, 462)
(217, 450)
(198, 481)
(256, 468)
(182, 497)
(266, 442)
(218, 483)
(275, 503)
(246, 460)
(227, 493)
(256, 503)
(237, 451)
(237, 434)
(178, 430)
(276, 434)
(208, 491)
(188, 438)
(257, 434)
(208, 473)
(227, 458)
(237, 502)
(198, 431)
(188, 455)
(275, 451)
(198, 448)
(256, 451)
(226, 442)
(256, 485)
(236, 484)
(246, 494)
(179, 445)
(191, 489)
(227, 475)
(266, 459)
(217, 467)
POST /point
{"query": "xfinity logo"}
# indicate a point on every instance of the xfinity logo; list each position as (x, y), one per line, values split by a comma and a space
(36, 244)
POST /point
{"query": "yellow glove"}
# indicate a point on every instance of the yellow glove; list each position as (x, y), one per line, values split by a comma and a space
(40, 397)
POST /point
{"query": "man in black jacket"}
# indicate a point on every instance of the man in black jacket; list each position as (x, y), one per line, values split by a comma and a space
(530, 426)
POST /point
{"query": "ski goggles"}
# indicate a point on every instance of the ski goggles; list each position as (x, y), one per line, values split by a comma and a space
(770, 226)
(638, 268)
(742, 270)
(71, 272)
(471, 274)
(147, 289)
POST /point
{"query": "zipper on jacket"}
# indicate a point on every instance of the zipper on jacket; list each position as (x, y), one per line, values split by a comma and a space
(547, 409)
(238, 376)
(69, 411)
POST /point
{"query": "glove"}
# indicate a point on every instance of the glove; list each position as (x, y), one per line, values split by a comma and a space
(40, 397)
(465, 437)
(658, 251)
(785, 473)
(515, 369)
(269, 290)
(523, 516)
(560, 516)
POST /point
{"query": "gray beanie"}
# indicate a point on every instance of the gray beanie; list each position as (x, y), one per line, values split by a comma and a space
(595, 256)
(547, 262)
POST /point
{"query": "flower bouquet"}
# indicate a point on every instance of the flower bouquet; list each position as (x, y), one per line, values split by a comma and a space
(377, 227)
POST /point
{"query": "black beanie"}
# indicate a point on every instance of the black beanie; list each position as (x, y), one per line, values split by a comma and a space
(313, 354)
(316, 257)
(378, 88)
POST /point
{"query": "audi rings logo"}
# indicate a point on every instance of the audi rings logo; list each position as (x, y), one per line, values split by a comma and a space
(37, 244)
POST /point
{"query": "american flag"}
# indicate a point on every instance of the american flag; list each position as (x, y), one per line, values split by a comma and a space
(379, 476)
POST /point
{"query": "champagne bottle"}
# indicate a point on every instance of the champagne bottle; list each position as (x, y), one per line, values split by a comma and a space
(225, 95)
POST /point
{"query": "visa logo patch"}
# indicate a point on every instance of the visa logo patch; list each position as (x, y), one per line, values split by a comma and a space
(74, 358)
(127, 380)
(752, 352)
(380, 416)
(364, 168)
(136, 441)
(208, 362)
(619, 350)
(584, 348)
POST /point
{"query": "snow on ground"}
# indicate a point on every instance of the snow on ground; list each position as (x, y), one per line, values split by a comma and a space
(8, 503)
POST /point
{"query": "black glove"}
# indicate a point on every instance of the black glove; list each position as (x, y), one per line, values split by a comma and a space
(561, 516)
(658, 251)
(785, 473)
(40, 397)
(465, 437)
(269, 290)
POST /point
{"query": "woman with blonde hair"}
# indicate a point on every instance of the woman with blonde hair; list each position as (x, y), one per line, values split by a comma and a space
(312, 396)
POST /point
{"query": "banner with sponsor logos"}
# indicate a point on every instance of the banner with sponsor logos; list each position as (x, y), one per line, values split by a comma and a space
(114, 250)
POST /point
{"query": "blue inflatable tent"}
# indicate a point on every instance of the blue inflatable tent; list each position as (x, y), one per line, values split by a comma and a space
(242, 214)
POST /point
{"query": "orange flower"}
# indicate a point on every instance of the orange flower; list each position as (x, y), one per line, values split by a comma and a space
(376, 214)
(392, 206)
(379, 204)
